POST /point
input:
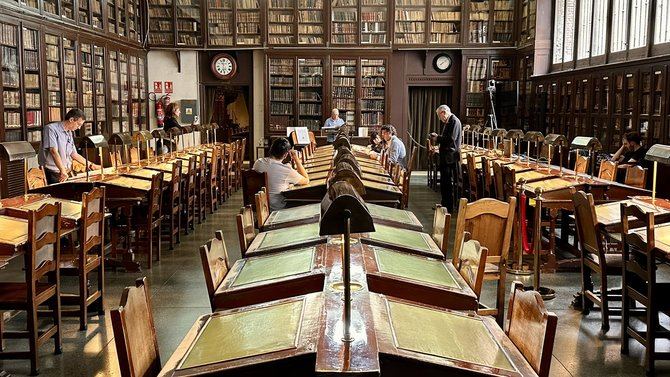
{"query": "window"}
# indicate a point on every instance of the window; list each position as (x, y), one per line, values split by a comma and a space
(619, 25)
(639, 22)
(599, 27)
(585, 23)
(559, 23)
(569, 43)
(662, 23)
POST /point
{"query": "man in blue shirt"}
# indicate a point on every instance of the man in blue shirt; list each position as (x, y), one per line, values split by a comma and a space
(334, 121)
(57, 148)
(396, 148)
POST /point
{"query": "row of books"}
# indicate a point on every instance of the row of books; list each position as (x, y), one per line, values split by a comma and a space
(281, 81)
(369, 92)
(310, 40)
(372, 119)
(310, 16)
(402, 38)
(8, 35)
(344, 104)
(310, 29)
(10, 57)
(343, 3)
(12, 119)
(193, 13)
(344, 81)
(445, 38)
(375, 70)
(409, 27)
(410, 15)
(310, 4)
(344, 92)
(309, 96)
(281, 94)
(372, 104)
(373, 39)
(311, 124)
(228, 4)
(373, 82)
(276, 16)
(310, 81)
(54, 99)
(280, 108)
(33, 100)
(11, 98)
(247, 4)
(375, 16)
(31, 60)
(10, 79)
(309, 109)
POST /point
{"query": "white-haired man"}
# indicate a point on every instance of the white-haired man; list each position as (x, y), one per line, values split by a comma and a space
(334, 121)
(450, 156)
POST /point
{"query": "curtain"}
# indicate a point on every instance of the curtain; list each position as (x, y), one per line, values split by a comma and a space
(422, 118)
(210, 96)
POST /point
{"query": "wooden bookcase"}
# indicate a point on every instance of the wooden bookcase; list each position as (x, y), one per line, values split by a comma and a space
(281, 22)
(527, 17)
(344, 27)
(248, 23)
(310, 93)
(161, 22)
(478, 70)
(175, 23)
(310, 18)
(374, 26)
(410, 22)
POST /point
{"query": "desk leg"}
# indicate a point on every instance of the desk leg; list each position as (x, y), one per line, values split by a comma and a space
(125, 260)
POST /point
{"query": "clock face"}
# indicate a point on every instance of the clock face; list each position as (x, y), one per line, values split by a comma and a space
(224, 66)
(442, 63)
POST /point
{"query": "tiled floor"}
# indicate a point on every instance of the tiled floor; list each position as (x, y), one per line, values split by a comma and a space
(179, 296)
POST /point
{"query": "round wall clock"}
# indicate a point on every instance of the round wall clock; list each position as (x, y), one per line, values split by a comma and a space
(442, 62)
(224, 66)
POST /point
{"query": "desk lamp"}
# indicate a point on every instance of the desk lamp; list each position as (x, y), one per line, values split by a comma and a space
(474, 131)
(657, 153)
(338, 207)
(214, 127)
(514, 136)
(533, 137)
(185, 142)
(120, 139)
(174, 133)
(18, 150)
(497, 134)
(140, 137)
(486, 137)
(557, 141)
(585, 142)
(94, 141)
(160, 134)
(197, 139)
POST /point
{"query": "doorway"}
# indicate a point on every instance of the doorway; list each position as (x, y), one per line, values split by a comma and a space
(228, 106)
(423, 100)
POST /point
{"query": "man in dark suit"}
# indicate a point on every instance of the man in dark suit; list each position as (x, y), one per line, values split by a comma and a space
(450, 156)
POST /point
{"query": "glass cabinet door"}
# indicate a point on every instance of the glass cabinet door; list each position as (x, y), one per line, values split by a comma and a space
(115, 91)
(189, 28)
(310, 93)
(100, 94)
(344, 86)
(54, 76)
(344, 22)
(32, 84)
(134, 94)
(282, 93)
(220, 22)
(248, 23)
(143, 122)
(125, 91)
(11, 83)
(161, 23)
(478, 22)
(410, 22)
(87, 85)
(373, 83)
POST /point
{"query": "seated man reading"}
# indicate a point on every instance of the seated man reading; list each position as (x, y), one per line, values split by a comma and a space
(395, 146)
(631, 152)
(280, 175)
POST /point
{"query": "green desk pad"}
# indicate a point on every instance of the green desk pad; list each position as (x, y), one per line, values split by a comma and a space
(444, 334)
(295, 213)
(244, 334)
(390, 214)
(287, 236)
(402, 237)
(420, 269)
(275, 266)
(380, 186)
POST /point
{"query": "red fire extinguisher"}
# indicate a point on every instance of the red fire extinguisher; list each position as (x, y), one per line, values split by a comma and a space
(160, 114)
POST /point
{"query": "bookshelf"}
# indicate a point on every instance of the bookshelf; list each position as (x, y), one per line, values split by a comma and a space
(142, 121)
(96, 14)
(310, 93)
(134, 92)
(32, 84)
(527, 22)
(374, 22)
(111, 16)
(502, 69)
(84, 12)
(122, 27)
(51, 7)
(373, 92)
(70, 73)
(410, 22)
(87, 86)
(189, 28)
(310, 22)
(11, 85)
(445, 22)
(115, 92)
(475, 98)
(54, 76)
(125, 91)
(344, 83)
(282, 91)
(503, 21)
(344, 22)
(161, 22)
(248, 22)
(67, 9)
(134, 21)
(220, 27)
(100, 92)
(281, 20)
(478, 21)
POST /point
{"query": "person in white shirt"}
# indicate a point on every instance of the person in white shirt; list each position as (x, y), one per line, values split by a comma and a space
(280, 175)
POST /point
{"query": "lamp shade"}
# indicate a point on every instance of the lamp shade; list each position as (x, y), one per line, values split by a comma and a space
(476, 128)
(214, 126)
(159, 133)
(174, 131)
(16, 150)
(556, 140)
(659, 153)
(94, 141)
(121, 138)
(342, 198)
(534, 136)
(186, 129)
(142, 136)
(341, 141)
(351, 161)
(487, 131)
(586, 142)
(514, 134)
(341, 152)
(499, 132)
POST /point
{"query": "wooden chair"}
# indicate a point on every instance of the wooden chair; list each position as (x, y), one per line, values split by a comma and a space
(488, 221)
(640, 285)
(239, 162)
(147, 221)
(471, 266)
(232, 156)
(594, 258)
(89, 257)
(509, 183)
(498, 179)
(41, 260)
(36, 178)
(581, 164)
(135, 332)
(189, 196)
(608, 170)
(395, 173)
(245, 228)
(221, 175)
(134, 155)
(488, 189)
(212, 181)
(531, 328)
(215, 265)
(252, 182)
(411, 161)
(636, 176)
(433, 164)
(172, 206)
(262, 207)
(201, 188)
(472, 176)
(441, 224)
(404, 178)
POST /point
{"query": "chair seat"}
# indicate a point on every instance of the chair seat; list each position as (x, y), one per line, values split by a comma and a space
(71, 261)
(16, 294)
(491, 268)
(613, 261)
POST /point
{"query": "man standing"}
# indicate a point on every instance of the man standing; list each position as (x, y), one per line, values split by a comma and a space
(280, 175)
(334, 121)
(450, 156)
(396, 148)
(57, 148)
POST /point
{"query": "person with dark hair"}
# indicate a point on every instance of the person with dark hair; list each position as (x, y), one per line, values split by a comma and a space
(631, 152)
(172, 112)
(396, 148)
(376, 142)
(280, 175)
(57, 149)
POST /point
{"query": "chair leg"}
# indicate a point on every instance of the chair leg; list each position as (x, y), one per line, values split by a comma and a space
(101, 285)
(83, 295)
(32, 339)
(178, 220)
(56, 312)
(500, 300)
(587, 285)
(626, 304)
(158, 242)
(650, 349)
(150, 248)
(604, 301)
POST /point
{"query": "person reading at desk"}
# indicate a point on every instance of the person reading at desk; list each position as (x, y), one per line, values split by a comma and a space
(57, 150)
(280, 175)
(631, 152)
(396, 148)
(334, 121)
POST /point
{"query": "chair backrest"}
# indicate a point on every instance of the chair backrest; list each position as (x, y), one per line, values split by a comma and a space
(262, 207)
(472, 264)
(405, 178)
(155, 196)
(242, 147)
(43, 254)
(192, 173)
(638, 250)
(472, 174)
(581, 164)
(36, 178)
(412, 158)
(134, 155)
(508, 182)
(531, 328)
(92, 229)
(135, 332)
(175, 183)
(395, 173)
(202, 170)
(245, 228)
(498, 180)
(232, 155)
(441, 224)
(488, 221)
(588, 228)
(214, 165)
(488, 179)
(215, 263)
(252, 182)
(636, 176)
(607, 170)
